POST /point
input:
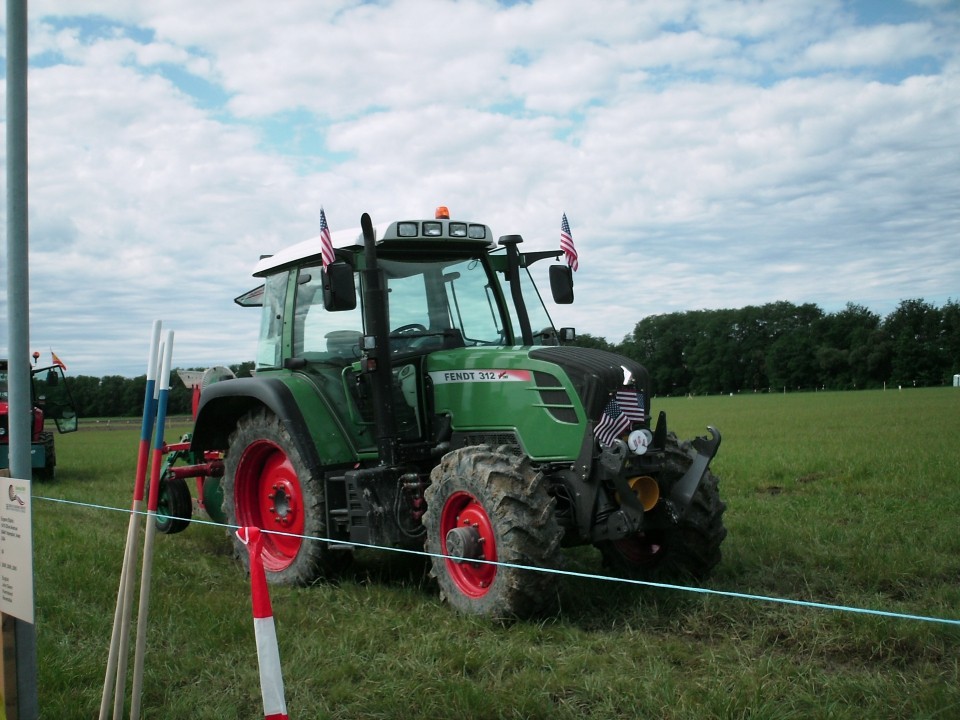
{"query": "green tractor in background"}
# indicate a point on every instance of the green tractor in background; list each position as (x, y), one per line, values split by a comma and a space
(414, 393)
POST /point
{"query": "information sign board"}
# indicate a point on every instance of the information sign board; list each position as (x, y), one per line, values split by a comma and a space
(16, 549)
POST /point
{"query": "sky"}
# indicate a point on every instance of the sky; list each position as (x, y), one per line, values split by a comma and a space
(708, 154)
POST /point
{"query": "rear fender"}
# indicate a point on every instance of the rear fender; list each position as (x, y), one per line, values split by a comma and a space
(222, 405)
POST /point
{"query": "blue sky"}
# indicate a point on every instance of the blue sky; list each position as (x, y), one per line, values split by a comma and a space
(708, 154)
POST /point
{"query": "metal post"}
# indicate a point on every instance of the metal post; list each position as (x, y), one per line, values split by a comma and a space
(18, 304)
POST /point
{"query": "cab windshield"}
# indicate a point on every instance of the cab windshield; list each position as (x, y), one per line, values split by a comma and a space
(453, 298)
(433, 304)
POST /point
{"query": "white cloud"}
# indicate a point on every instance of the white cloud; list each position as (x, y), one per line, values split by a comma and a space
(878, 45)
(708, 154)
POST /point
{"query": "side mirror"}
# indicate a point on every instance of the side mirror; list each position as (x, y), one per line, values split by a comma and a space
(52, 378)
(567, 335)
(339, 287)
(561, 284)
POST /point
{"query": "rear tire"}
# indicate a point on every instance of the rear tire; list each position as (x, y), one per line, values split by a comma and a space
(486, 503)
(266, 484)
(49, 469)
(688, 549)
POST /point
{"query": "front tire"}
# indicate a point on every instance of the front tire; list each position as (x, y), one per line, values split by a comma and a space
(687, 549)
(267, 484)
(486, 504)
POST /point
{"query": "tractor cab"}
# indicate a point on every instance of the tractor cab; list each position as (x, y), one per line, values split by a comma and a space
(447, 285)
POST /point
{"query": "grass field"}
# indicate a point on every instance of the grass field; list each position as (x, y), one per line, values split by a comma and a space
(848, 499)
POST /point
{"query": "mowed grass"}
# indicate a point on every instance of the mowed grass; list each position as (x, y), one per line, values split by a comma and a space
(849, 499)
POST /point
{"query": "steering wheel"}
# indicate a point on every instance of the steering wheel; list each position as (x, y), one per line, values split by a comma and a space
(409, 328)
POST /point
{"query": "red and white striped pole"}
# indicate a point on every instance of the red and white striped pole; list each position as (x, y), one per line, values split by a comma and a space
(146, 571)
(268, 653)
(117, 660)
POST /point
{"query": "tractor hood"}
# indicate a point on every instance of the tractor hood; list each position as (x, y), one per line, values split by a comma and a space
(597, 373)
(545, 395)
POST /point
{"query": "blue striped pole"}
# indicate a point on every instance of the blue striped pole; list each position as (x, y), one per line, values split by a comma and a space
(163, 392)
(119, 641)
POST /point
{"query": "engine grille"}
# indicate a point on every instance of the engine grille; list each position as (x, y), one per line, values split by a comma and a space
(596, 374)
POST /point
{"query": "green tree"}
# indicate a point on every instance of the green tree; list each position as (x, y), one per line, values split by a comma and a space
(950, 339)
(585, 340)
(914, 330)
(712, 356)
(659, 342)
(244, 369)
(851, 349)
(84, 389)
(110, 397)
(792, 332)
(133, 393)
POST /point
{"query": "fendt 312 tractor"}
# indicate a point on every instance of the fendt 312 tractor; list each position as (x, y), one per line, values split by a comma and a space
(414, 393)
(51, 400)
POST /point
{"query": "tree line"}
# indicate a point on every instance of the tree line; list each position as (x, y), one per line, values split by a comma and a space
(118, 396)
(768, 348)
(781, 347)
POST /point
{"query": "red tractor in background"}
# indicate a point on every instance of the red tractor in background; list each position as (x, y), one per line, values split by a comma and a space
(50, 399)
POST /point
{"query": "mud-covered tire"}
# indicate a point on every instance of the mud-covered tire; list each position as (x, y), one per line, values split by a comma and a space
(267, 484)
(505, 501)
(49, 470)
(174, 506)
(686, 550)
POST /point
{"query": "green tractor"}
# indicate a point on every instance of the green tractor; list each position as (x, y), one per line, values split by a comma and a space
(414, 393)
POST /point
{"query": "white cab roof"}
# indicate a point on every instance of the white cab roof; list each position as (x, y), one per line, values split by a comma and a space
(311, 247)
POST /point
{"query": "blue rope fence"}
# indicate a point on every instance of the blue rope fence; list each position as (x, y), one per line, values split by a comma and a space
(571, 573)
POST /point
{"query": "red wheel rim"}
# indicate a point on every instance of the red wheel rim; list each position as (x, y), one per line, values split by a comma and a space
(267, 495)
(462, 509)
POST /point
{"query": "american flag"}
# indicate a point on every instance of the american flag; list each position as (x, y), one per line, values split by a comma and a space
(612, 423)
(566, 243)
(631, 404)
(326, 244)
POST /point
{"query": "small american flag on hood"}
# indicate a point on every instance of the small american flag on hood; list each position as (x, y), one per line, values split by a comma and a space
(624, 408)
(613, 422)
(631, 404)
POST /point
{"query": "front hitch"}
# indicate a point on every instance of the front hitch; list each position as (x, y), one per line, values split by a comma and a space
(628, 518)
(683, 490)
